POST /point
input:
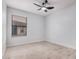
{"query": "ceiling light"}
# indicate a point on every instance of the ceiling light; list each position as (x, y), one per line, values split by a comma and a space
(43, 8)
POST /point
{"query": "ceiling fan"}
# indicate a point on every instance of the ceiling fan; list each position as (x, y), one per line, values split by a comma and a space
(44, 6)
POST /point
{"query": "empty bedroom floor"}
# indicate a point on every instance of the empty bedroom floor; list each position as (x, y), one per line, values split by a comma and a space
(40, 50)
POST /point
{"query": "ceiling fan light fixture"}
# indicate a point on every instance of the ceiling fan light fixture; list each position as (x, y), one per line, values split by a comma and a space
(43, 8)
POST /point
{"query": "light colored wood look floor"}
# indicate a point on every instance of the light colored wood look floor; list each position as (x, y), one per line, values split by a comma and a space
(40, 50)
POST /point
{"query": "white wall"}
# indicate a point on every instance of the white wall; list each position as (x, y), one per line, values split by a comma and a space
(4, 18)
(35, 28)
(61, 27)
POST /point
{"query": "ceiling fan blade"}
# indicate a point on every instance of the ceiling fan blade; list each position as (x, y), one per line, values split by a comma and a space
(49, 7)
(39, 9)
(46, 1)
(37, 5)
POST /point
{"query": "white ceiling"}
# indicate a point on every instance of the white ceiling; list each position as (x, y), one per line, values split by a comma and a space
(27, 5)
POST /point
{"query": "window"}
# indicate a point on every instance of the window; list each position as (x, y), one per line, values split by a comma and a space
(19, 26)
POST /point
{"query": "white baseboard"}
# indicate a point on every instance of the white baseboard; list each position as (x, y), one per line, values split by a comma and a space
(11, 45)
(68, 46)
